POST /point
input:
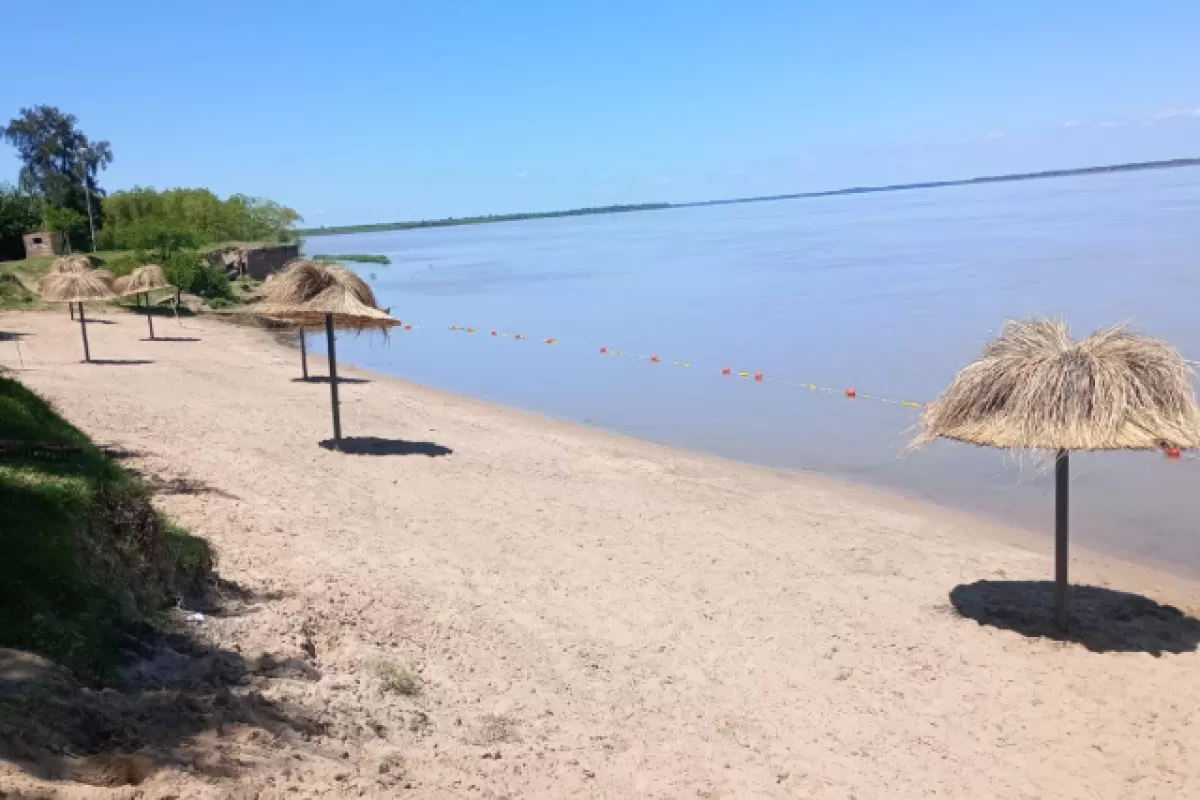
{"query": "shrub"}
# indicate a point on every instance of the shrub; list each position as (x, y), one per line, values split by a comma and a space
(125, 263)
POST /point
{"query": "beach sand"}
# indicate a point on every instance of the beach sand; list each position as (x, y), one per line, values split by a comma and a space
(594, 616)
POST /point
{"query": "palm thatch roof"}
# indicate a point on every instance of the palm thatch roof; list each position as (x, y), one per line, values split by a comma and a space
(148, 278)
(302, 293)
(301, 280)
(1035, 388)
(76, 287)
(74, 263)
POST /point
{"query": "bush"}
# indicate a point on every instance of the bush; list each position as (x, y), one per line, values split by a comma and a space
(187, 270)
(125, 263)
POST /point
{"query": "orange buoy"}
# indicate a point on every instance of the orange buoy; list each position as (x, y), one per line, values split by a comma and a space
(758, 377)
(851, 393)
(724, 370)
(603, 349)
(654, 359)
(470, 330)
(1173, 452)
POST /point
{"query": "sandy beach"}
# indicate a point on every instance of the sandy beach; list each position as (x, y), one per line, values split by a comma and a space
(593, 616)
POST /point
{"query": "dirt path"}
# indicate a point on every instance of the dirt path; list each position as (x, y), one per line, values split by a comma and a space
(592, 616)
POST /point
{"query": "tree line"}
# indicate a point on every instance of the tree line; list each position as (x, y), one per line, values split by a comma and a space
(58, 190)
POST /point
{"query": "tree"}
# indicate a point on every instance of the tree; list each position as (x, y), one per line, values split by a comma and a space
(20, 213)
(66, 221)
(59, 164)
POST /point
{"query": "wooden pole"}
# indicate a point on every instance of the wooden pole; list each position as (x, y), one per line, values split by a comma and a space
(1062, 490)
(71, 306)
(333, 381)
(303, 356)
(149, 317)
(87, 356)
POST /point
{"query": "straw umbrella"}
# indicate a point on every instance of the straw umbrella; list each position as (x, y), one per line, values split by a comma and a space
(1036, 389)
(300, 280)
(77, 287)
(338, 308)
(70, 264)
(142, 281)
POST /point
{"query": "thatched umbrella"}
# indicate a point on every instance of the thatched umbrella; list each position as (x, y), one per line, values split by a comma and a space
(300, 280)
(77, 287)
(142, 281)
(1036, 389)
(338, 307)
(70, 264)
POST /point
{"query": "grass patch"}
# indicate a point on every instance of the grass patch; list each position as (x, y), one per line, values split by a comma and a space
(396, 677)
(86, 558)
(366, 259)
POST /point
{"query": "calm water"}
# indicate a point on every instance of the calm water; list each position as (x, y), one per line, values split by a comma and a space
(889, 293)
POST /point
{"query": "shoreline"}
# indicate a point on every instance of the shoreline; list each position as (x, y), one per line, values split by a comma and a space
(973, 523)
(587, 614)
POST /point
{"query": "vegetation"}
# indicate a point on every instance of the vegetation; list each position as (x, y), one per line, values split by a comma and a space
(189, 218)
(441, 223)
(396, 677)
(59, 167)
(87, 561)
(20, 213)
(365, 259)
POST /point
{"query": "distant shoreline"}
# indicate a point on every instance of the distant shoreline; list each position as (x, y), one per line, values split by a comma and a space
(619, 209)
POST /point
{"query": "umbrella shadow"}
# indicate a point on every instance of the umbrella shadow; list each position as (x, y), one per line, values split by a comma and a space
(378, 446)
(171, 339)
(1102, 620)
(120, 362)
(13, 336)
(94, 321)
(325, 379)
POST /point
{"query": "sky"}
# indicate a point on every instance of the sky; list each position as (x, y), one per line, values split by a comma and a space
(380, 111)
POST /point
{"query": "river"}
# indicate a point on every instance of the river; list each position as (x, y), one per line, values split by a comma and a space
(887, 293)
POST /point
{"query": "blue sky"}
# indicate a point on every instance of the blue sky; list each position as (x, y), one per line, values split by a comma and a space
(377, 111)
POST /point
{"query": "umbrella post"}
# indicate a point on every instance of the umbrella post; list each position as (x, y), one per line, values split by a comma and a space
(303, 356)
(87, 356)
(333, 383)
(149, 317)
(1062, 489)
(71, 306)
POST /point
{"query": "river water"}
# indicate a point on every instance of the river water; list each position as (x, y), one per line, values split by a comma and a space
(887, 293)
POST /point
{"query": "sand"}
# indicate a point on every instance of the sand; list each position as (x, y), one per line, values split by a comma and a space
(588, 615)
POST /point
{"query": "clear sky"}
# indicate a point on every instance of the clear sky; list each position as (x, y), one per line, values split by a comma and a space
(378, 111)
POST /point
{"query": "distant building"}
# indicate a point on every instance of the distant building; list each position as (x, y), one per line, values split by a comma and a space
(255, 262)
(44, 243)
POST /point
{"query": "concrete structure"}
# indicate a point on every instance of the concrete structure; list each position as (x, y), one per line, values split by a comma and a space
(256, 262)
(44, 243)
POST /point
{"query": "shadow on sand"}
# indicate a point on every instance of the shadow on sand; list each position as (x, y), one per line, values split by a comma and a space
(119, 362)
(13, 336)
(325, 379)
(1102, 620)
(377, 446)
(170, 339)
(95, 321)
(174, 687)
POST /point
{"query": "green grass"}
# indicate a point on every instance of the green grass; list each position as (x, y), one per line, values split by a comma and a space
(86, 558)
(396, 678)
(366, 259)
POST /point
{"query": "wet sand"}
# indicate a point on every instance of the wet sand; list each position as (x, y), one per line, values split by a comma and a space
(594, 616)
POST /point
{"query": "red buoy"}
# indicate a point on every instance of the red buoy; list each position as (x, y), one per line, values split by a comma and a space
(654, 359)
(758, 377)
(1173, 452)
(724, 370)
(851, 393)
(408, 327)
(518, 336)
(603, 349)
(494, 333)
(549, 341)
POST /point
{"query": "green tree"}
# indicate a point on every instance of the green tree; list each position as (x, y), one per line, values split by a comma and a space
(66, 221)
(59, 164)
(20, 213)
